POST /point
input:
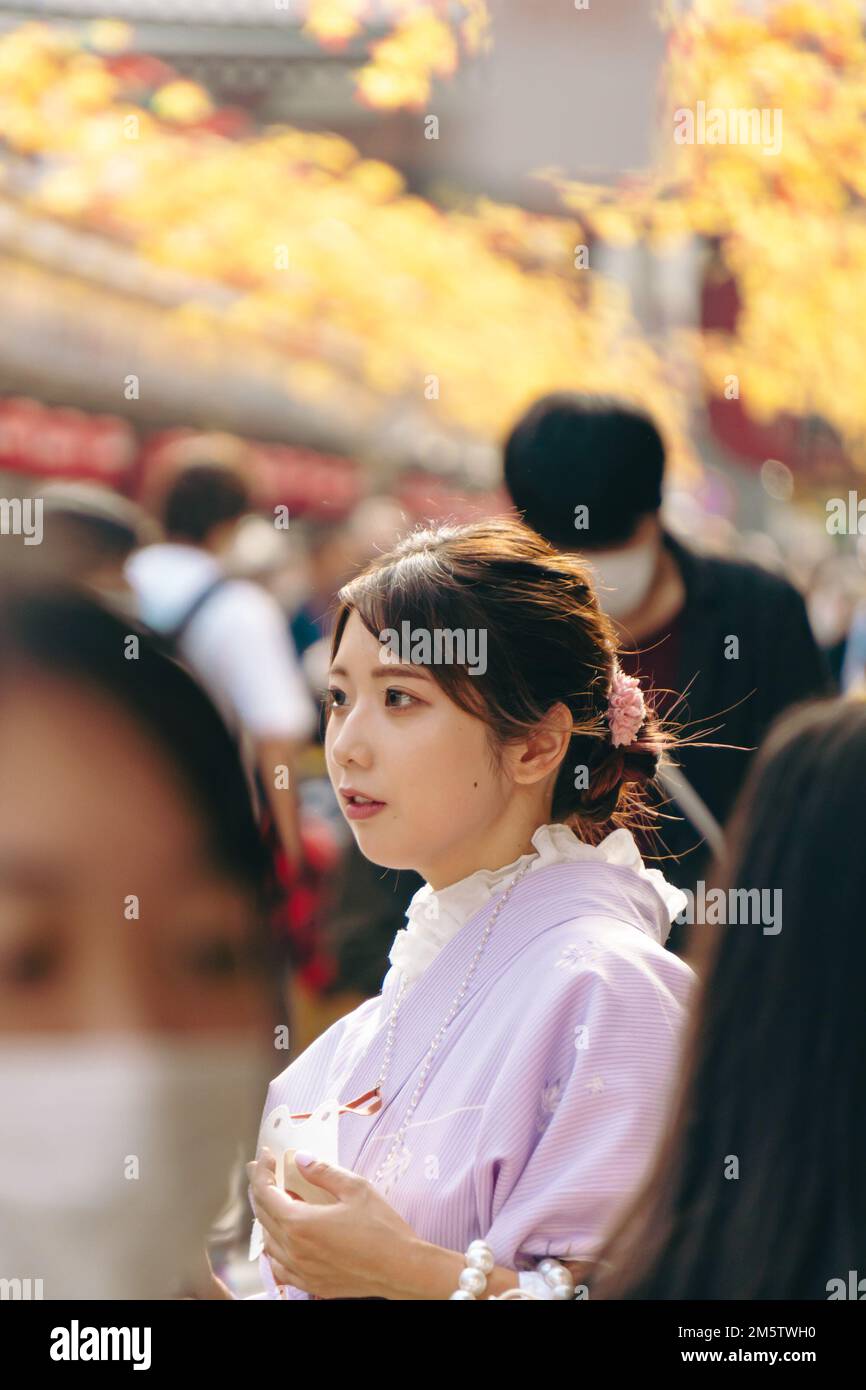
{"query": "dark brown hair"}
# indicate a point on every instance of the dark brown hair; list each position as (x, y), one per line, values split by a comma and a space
(201, 497)
(774, 1066)
(547, 642)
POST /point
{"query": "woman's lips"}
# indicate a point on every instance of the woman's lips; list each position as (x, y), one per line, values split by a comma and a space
(361, 810)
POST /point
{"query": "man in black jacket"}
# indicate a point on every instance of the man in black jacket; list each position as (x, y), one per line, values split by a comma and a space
(731, 639)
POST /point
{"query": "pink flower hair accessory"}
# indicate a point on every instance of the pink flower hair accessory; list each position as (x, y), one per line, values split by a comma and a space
(626, 708)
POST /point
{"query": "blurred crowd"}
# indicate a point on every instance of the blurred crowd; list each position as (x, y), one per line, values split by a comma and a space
(245, 598)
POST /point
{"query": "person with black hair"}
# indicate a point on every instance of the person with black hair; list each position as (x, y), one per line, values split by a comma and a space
(726, 646)
(231, 631)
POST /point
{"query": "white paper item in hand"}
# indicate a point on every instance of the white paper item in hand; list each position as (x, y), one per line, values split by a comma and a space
(279, 1132)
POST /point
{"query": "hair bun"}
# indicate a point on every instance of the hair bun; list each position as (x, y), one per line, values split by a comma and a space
(640, 762)
(612, 770)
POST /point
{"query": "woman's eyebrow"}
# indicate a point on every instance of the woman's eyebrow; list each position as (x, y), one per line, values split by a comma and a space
(388, 670)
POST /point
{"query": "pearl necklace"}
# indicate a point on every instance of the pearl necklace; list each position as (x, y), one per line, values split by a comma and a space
(388, 1166)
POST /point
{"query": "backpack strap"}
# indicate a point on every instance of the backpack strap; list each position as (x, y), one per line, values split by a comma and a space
(174, 634)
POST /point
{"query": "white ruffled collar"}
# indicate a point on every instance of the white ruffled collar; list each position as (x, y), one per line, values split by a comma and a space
(435, 917)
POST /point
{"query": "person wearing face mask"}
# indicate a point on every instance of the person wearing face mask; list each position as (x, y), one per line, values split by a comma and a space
(135, 1021)
(587, 474)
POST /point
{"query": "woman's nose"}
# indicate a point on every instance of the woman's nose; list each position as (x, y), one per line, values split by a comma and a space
(350, 743)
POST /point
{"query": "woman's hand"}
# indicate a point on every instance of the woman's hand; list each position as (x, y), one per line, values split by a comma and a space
(356, 1247)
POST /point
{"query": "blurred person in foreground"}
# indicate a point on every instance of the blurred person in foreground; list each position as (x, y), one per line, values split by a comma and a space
(135, 1017)
(230, 630)
(725, 646)
(775, 1057)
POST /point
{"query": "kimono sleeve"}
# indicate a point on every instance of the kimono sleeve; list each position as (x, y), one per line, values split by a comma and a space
(572, 1120)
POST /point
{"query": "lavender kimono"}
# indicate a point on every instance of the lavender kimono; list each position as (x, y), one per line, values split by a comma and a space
(549, 1088)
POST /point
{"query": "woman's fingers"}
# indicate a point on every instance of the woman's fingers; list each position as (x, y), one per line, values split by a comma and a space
(263, 1185)
(283, 1273)
(275, 1224)
(263, 1169)
(273, 1227)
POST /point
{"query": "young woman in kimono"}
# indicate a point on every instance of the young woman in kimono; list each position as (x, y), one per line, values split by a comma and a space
(508, 1084)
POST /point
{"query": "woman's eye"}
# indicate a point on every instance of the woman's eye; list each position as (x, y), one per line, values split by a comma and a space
(334, 698)
(402, 695)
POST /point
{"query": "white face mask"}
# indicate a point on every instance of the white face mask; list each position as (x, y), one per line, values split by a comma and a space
(624, 577)
(115, 1158)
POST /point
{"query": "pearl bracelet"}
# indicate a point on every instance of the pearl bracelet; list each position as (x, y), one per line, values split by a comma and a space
(558, 1279)
(473, 1279)
(479, 1263)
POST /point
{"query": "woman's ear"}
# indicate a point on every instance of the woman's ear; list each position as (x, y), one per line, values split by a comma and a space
(541, 752)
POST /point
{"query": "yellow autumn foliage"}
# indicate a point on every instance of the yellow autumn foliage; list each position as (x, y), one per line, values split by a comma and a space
(352, 278)
(789, 223)
(403, 65)
(423, 42)
(335, 21)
